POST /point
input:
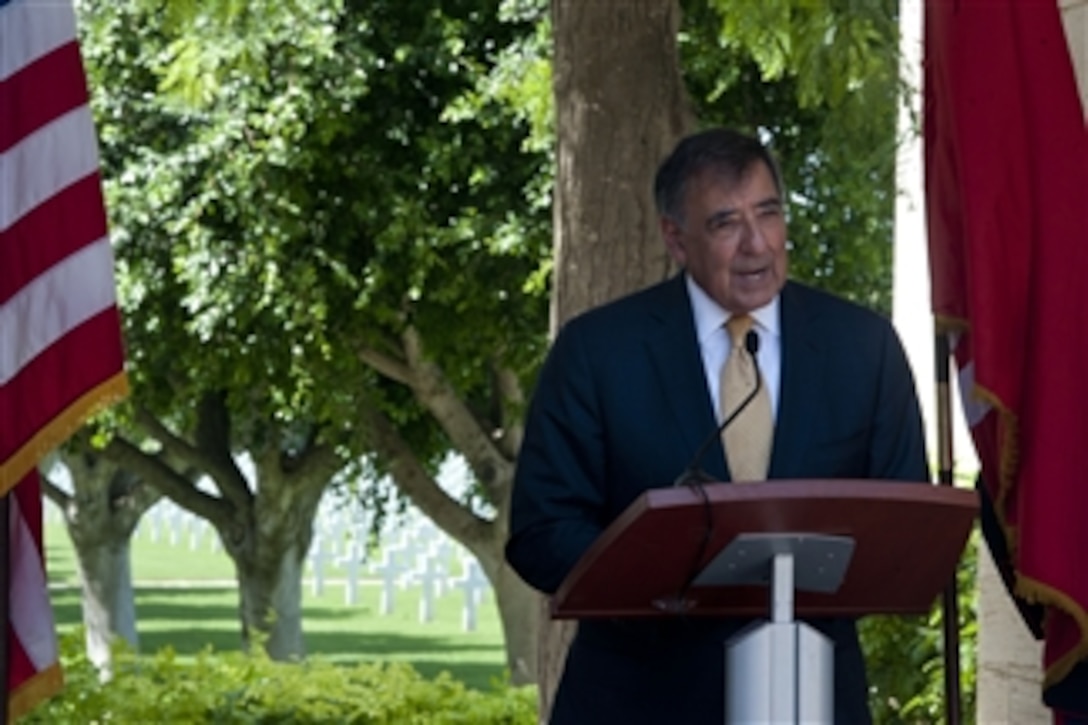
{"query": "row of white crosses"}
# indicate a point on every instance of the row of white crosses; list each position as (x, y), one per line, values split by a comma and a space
(415, 553)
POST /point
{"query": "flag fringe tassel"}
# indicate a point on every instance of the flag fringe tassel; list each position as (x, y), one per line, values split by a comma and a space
(1037, 592)
(60, 429)
(38, 687)
(1008, 451)
(1026, 588)
(949, 325)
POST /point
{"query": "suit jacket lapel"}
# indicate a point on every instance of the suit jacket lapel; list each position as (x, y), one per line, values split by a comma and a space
(803, 362)
(674, 352)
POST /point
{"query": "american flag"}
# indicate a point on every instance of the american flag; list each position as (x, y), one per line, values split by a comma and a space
(61, 356)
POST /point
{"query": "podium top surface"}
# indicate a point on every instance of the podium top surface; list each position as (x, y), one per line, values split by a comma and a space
(909, 537)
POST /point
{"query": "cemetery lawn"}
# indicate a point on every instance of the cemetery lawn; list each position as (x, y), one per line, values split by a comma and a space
(186, 598)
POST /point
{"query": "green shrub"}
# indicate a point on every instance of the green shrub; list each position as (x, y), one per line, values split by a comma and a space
(235, 688)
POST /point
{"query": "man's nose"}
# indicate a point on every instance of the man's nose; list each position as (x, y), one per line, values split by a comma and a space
(752, 240)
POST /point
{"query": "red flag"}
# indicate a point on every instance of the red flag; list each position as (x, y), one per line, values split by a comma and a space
(1006, 153)
(60, 342)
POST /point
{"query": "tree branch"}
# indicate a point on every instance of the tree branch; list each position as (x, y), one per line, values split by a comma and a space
(447, 513)
(434, 392)
(225, 473)
(143, 497)
(512, 403)
(388, 366)
(317, 462)
(54, 492)
(214, 437)
(154, 471)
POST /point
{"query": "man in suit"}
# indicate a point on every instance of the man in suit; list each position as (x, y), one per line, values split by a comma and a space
(630, 390)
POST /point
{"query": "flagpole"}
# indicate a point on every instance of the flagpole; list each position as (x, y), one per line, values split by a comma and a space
(950, 617)
(5, 601)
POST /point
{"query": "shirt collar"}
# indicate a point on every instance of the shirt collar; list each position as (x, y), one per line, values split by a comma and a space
(710, 317)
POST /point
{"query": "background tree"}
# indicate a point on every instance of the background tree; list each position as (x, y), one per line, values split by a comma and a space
(101, 509)
(329, 233)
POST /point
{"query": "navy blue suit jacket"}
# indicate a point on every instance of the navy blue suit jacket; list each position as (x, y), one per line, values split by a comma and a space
(621, 406)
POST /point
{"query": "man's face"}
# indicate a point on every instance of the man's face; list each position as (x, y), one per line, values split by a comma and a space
(732, 238)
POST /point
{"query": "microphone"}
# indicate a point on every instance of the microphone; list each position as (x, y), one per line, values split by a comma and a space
(695, 477)
(693, 474)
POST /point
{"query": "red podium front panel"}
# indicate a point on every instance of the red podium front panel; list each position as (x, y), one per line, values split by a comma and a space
(909, 537)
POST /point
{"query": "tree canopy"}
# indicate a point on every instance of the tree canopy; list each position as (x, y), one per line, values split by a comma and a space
(330, 231)
(289, 195)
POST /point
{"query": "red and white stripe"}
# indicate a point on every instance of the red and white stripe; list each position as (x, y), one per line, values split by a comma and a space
(60, 351)
(34, 671)
(61, 356)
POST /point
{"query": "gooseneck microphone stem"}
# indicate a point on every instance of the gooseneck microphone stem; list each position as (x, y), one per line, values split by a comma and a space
(696, 477)
(693, 473)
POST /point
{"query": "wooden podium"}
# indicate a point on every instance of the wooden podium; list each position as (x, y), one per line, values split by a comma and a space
(774, 551)
(908, 536)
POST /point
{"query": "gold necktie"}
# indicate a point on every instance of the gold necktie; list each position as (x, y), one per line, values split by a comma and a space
(747, 440)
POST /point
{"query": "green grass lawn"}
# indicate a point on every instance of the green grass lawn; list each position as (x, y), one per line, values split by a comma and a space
(187, 599)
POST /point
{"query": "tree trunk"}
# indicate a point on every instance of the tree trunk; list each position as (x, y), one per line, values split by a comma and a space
(517, 604)
(108, 603)
(268, 541)
(621, 105)
(270, 594)
(100, 517)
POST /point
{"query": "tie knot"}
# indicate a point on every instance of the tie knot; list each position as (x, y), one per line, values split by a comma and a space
(738, 327)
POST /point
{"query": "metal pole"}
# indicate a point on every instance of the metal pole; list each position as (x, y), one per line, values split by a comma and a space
(950, 617)
(5, 601)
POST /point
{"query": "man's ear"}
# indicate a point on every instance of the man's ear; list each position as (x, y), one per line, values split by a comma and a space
(674, 240)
